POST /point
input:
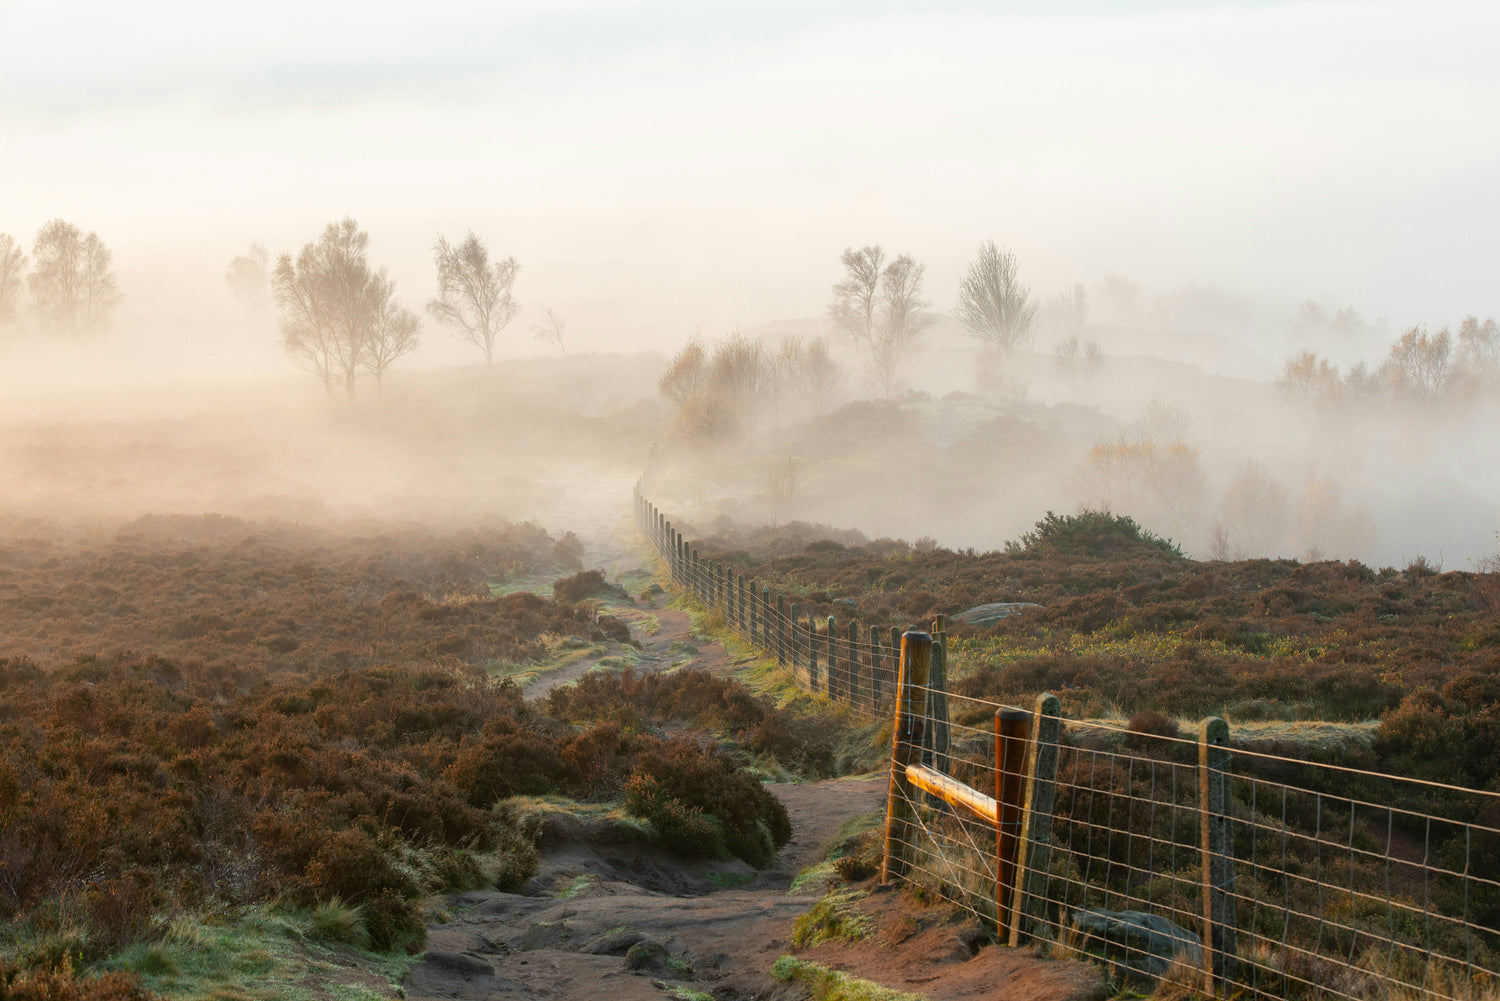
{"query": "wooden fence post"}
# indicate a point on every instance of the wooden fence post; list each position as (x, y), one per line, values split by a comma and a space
(877, 668)
(1012, 733)
(1219, 945)
(939, 738)
(765, 621)
(942, 738)
(906, 747)
(754, 610)
(835, 673)
(1034, 857)
(812, 652)
(781, 630)
(854, 693)
(791, 612)
(740, 601)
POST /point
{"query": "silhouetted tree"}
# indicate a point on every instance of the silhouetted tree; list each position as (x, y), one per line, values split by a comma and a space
(685, 374)
(1420, 366)
(248, 279)
(1478, 346)
(805, 377)
(551, 329)
(338, 317)
(71, 283)
(901, 321)
(12, 266)
(473, 294)
(855, 298)
(719, 393)
(879, 307)
(393, 329)
(1309, 377)
(993, 305)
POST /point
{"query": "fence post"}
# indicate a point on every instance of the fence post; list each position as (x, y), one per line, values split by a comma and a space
(812, 653)
(754, 610)
(877, 667)
(906, 747)
(1012, 733)
(791, 629)
(835, 673)
(1034, 856)
(942, 739)
(853, 663)
(1219, 945)
(765, 621)
(781, 630)
(740, 601)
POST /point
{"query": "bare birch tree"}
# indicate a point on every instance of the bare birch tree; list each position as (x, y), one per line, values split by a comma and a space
(338, 317)
(473, 294)
(879, 307)
(856, 297)
(393, 329)
(12, 266)
(71, 283)
(993, 305)
(551, 329)
(900, 324)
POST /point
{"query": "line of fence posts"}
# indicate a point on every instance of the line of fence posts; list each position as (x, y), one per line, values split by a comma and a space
(1026, 748)
(1026, 752)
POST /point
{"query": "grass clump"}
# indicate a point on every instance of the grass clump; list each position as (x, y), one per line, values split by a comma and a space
(835, 985)
(834, 918)
(336, 921)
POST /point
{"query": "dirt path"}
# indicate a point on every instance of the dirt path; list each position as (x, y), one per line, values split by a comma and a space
(620, 922)
(664, 632)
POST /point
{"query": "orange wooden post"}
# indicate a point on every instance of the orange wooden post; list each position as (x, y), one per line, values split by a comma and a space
(906, 748)
(1012, 730)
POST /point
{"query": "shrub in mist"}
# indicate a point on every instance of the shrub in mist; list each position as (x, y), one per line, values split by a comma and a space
(1089, 533)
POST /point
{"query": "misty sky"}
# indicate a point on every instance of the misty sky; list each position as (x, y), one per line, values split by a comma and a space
(663, 166)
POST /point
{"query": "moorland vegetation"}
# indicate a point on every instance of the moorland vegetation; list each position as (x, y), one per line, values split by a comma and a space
(204, 721)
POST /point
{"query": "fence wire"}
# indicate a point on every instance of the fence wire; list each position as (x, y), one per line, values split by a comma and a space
(1336, 882)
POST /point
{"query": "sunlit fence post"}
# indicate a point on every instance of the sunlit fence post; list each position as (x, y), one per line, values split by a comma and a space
(1012, 733)
(1034, 855)
(906, 748)
(1219, 946)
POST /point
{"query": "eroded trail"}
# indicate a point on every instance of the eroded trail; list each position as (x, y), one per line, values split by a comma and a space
(609, 919)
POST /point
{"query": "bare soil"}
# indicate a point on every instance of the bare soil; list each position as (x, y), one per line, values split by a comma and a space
(619, 920)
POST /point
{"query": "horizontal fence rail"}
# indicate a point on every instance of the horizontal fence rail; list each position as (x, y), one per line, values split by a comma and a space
(1194, 858)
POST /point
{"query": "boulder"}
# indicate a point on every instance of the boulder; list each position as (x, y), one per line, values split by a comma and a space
(1145, 943)
(987, 615)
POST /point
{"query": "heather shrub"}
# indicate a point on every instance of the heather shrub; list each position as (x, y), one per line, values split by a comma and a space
(1090, 533)
(685, 829)
(585, 584)
(62, 985)
(754, 823)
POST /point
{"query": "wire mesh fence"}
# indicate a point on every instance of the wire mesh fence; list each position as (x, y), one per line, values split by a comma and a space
(1196, 858)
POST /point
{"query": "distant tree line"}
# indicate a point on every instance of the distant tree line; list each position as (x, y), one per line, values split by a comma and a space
(70, 282)
(339, 316)
(1428, 371)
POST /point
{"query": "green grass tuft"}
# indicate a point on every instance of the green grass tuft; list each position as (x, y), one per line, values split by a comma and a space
(835, 985)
